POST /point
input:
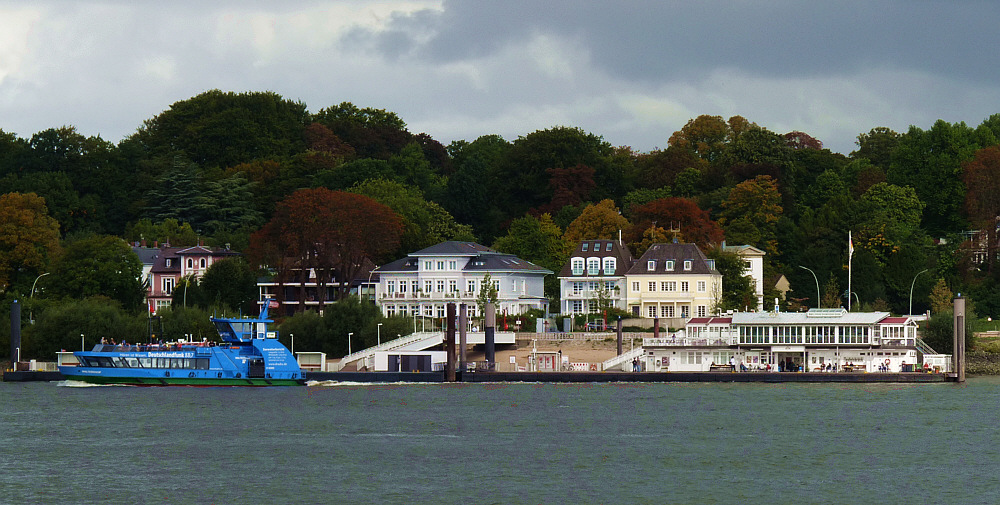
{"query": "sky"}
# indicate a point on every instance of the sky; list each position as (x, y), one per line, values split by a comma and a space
(630, 71)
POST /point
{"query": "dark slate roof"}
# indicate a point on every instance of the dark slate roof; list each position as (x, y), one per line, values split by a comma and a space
(147, 255)
(497, 262)
(453, 248)
(623, 257)
(677, 252)
(482, 259)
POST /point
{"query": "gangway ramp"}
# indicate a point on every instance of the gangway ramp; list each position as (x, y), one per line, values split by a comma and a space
(617, 362)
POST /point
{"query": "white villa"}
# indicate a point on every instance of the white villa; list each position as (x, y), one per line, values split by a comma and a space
(595, 269)
(422, 283)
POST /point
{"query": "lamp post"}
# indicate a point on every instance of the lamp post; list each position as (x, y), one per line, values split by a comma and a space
(378, 334)
(910, 310)
(31, 313)
(349, 342)
(817, 284)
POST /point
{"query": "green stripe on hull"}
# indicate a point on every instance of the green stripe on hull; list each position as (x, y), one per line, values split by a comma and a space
(184, 381)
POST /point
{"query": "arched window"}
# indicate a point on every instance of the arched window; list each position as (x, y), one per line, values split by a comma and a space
(203, 263)
(190, 263)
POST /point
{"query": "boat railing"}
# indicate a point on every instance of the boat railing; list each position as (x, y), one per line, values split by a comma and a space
(172, 346)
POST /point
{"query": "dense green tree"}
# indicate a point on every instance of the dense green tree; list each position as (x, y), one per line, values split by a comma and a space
(100, 265)
(230, 282)
(737, 288)
(888, 219)
(524, 178)
(372, 133)
(222, 129)
(424, 223)
(751, 212)
(931, 162)
(59, 326)
(539, 241)
(877, 146)
(472, 195)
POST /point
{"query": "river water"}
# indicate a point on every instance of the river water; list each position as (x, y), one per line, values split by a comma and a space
(502, 443)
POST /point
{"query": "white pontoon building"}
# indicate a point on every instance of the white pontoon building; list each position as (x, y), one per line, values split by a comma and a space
(817, 340)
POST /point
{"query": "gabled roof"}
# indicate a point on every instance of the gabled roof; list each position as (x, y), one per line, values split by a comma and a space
(678, 253)
(147, 255)
(744, 250)
(599, 249)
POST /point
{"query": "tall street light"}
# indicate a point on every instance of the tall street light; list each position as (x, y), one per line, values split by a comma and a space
(31, 313)
(817, 283)
(910, 310)
(378, 335)
(349, 342)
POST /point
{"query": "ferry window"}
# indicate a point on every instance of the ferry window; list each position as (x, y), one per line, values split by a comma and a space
(105, 362)
(201, 363)
(144, 362)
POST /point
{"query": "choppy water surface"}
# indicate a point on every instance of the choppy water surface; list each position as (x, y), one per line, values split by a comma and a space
(503, 443)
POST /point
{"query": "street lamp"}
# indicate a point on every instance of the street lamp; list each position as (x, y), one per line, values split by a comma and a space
(817, 283)
(349, 342)
(378, 335)
(910, 310)
(31, 313)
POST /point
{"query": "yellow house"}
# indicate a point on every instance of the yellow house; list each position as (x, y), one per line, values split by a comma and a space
(673, 281)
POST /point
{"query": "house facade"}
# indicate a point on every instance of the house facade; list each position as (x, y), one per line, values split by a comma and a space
(753, 266)
(172, 264)
(595, 271)
(421, 284)
(674, 282)
(301, 289)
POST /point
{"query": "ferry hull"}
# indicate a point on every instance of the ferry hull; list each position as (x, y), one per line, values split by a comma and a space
(182, 381)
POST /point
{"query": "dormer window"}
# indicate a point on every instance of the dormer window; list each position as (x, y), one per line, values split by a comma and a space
(609, 266)
(687, 265)
(607, 247)
(585, 246)
(593, 266)
(577, 266)
(651, 265)
(670, 265)
(168, 263)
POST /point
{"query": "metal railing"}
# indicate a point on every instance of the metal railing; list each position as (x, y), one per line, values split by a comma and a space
(623, 358)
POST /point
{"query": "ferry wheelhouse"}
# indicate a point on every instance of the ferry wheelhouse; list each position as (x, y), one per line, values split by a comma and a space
(820, 340)
(248, 355)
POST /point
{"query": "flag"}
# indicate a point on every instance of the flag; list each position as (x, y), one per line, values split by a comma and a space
(850, 247)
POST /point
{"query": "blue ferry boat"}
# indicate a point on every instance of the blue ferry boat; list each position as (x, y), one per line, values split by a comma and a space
(246, 356)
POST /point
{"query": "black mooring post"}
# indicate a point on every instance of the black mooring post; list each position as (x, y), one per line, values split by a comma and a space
(15, 333)
(490, 335)
(449, 345)
(463, 325)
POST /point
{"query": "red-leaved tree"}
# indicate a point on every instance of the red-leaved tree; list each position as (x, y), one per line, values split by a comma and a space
(331, 232)
(682, 216)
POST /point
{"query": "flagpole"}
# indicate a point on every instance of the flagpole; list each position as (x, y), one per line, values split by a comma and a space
(850, 257)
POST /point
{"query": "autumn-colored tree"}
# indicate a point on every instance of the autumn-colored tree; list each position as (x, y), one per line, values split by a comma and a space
(320, 138)
(570, 186)
(750, 214)
(29, 239)
(681, 216)
(982, 201)
(330, 232)
(801, 140)
(705, 136)
(600, 220)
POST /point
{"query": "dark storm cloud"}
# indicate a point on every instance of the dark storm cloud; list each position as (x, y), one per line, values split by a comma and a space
(677, 39)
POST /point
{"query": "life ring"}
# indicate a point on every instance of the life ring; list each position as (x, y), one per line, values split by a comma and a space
(166, 374)
(887, 362)
(191, 375)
